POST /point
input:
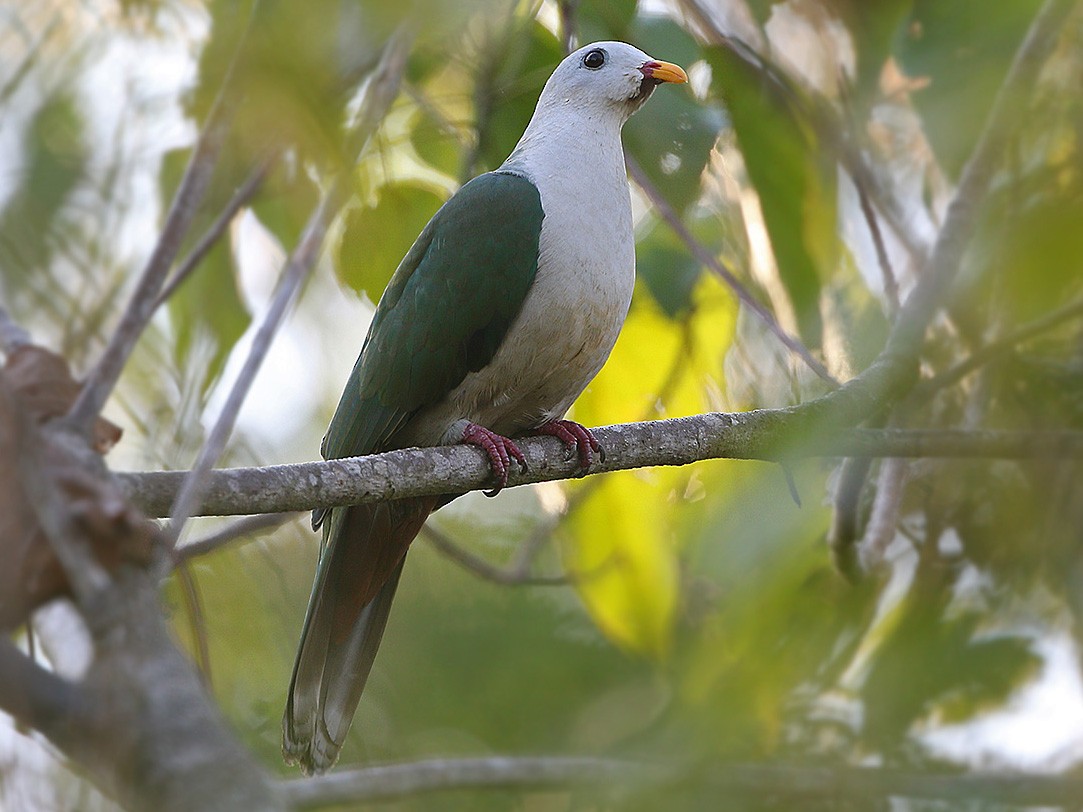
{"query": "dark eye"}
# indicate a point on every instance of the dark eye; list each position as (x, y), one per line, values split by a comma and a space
(594, 59)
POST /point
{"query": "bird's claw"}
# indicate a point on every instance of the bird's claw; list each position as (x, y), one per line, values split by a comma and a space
(499, 449)
(577, 439)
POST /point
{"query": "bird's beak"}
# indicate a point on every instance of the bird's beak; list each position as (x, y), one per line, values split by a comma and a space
(664, 72)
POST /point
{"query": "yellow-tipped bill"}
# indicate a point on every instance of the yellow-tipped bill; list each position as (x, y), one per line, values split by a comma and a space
(664, 72)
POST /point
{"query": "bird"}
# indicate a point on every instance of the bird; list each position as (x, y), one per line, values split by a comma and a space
(501, 313)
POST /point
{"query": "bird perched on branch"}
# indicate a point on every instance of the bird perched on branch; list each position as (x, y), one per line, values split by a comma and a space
(501, 313)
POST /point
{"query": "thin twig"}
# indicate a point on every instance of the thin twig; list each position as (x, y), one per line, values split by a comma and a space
(215, 230)
(884, 516)
(483, 569)
(297, 267)
(709, 260)
(891, 283)
(994, 349)
(256, 525)
(197, 622)
(301, 260)
(383, 782)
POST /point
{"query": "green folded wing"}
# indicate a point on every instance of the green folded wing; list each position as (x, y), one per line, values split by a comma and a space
(444, 313)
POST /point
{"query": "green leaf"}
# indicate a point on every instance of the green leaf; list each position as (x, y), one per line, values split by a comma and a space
(624, 542)
(964, 48)
(509, 89)
(669, 271)
(929, 661)
(208, 304)
(54, 164)
(376, 238)
(604, 20)
(672, 136)
(796, 189)
(435, 145)
(285, 203)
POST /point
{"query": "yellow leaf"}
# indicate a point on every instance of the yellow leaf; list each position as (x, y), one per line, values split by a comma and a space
(623, 541)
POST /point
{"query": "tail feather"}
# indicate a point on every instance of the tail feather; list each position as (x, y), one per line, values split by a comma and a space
(360, 565)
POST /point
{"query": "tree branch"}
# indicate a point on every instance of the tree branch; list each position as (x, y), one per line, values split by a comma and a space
(993, 349)
(513, 576)
(31, 695)
(770, 435)
(795, 782)
(257, 524)
(385, 782)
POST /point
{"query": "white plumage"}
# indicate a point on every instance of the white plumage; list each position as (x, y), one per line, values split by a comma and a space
(571, 151)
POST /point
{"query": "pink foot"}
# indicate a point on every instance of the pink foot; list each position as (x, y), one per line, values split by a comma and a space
(500, 450)
(577, 437)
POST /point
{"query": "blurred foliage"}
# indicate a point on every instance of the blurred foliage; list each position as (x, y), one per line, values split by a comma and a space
(703, 620)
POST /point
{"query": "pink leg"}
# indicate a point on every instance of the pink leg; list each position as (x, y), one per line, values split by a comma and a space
(500, 450)
(576, 437)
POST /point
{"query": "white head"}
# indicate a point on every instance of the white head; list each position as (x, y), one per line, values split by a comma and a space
(610, 79)
(583, 107)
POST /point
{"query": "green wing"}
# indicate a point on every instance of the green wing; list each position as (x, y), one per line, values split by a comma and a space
(444, 312)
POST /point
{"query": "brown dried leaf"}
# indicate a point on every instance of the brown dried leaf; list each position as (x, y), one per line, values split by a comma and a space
(35, 386)
(46, 388)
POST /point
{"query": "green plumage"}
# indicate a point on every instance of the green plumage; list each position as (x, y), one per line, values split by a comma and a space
(445, 311)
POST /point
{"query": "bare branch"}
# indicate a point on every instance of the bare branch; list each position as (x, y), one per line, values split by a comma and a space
(1000, 346)
(216, 230)
(389, 781)
(513, 576)
(248, 526)
(709, 260)
(31, 695)
(891, 284)
(884, 518)
(846, 515)
(140, 724)
(762, 435)
(793, 782)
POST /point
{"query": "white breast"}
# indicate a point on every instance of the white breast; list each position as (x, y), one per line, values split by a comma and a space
(575, 309)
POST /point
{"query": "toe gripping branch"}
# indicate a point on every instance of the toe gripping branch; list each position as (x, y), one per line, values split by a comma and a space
(500, 450)
(577, 439)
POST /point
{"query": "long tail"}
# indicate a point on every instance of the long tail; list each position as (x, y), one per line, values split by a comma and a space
(360, 563)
